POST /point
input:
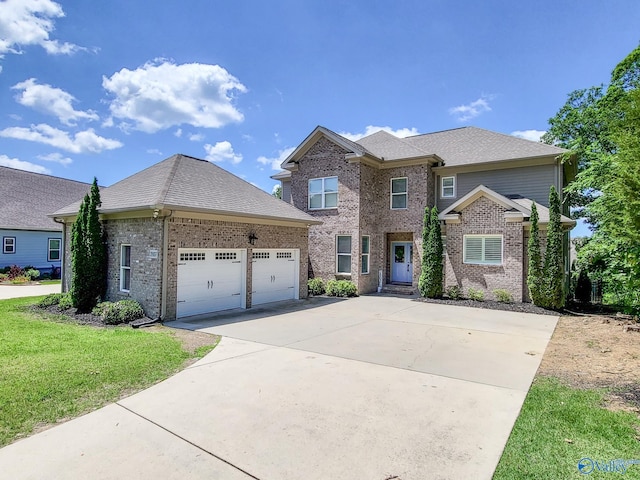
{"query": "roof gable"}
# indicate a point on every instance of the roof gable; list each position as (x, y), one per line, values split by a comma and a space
(191, 184)
(27, 198)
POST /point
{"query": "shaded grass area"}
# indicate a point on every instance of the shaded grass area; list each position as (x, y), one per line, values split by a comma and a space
(558, 426)
(54, 370)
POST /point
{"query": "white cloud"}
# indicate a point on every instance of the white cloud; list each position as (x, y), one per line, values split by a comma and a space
(473, 109)
(196, 137)
(29, 22)
(222, 151)
(157, 96)
(57, 158)
(178, 133)
(21, 165)
(533, 135)
(86, 141)
(154, 151)
(371, 129)
(49, 100)
(275, 162)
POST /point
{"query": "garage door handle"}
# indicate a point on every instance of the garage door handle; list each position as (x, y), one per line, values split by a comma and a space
(182, 301)
(235, 294)
(237, 261)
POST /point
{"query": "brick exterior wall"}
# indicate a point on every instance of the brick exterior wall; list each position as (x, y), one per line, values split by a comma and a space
(486, 217)
(145, 235)
(193, 233)
(363, 209)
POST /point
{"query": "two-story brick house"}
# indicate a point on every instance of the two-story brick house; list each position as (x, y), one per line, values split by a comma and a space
(371, 194)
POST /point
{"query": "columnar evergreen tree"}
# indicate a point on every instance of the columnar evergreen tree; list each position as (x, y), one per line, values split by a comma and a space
(553, 259)
(88, 254)
(534, 273)
(422, 281)
(432, 260)
(80, 290)
(96, 251)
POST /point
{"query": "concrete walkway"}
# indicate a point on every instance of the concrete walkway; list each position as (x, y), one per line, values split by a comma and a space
(17, 291)
(375, 387)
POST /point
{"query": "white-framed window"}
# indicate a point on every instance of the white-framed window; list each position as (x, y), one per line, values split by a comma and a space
(399, 193)
(323, 193)
(125, 268)
(365, 247)
(53, 250)
(482, 249)
(447, 187)
(8, 244)
(343, 254)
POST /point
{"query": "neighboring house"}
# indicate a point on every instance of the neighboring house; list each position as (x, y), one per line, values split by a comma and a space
(186, 237)
(29, 237)
(371, 195)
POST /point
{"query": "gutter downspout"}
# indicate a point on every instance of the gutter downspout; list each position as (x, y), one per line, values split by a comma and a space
(63, 282)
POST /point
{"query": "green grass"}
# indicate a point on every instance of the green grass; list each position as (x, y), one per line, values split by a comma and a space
(49, 282)
(552, 414)
(53, 370)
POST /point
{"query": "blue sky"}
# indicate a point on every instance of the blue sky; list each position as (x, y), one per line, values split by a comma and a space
(108, 88)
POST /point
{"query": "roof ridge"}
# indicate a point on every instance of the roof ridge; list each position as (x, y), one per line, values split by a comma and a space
(169, 180)
(44, 175)
(441, 131)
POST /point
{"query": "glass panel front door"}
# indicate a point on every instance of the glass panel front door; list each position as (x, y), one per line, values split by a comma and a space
(402, 262)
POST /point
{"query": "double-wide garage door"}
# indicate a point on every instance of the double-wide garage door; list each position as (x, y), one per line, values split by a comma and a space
(213, 279)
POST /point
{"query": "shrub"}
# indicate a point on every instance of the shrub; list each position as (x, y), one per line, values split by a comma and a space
(454, 292)
(503, 296)
(65, 302)
(14, 272)
(3, 277)
(316, 286)
(476, 294)
(32, 273)
(123, 311)
(583, 287)
(19, 280)
(341, 288)
(51, 299)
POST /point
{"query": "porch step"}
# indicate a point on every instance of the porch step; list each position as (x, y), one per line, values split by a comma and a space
(399, 289)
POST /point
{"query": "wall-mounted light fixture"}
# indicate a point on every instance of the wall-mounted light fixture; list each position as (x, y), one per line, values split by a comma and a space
(156, 212)
(252, 238)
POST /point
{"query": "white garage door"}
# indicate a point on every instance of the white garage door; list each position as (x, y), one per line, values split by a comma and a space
(210, 280)
(274, 275)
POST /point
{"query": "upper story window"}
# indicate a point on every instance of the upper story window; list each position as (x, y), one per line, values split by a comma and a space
(9, 245)
(323, 193)
(447, 187)
(483, 249)
(399, 193)
(53, 250)
(364, 254)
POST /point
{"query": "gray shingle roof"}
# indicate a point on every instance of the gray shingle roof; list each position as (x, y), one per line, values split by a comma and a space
(472, 145)
(389, 147)
(26, 198)
(187, 183)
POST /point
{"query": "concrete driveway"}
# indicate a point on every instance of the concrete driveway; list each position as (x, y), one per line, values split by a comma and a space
(373, 388)
(17, 291)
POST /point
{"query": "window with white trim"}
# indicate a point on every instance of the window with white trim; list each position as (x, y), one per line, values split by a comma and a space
(447, 187)
(482, 249)
(8, 244)
(323, 193)
(399, 193)
(53, 250)
(125, 268)
(343, 254)
(364, 254)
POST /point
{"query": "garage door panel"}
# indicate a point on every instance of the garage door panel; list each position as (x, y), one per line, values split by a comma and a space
(274, 275)
(210, 280)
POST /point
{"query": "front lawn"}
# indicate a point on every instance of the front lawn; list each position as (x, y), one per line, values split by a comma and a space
(52, 370)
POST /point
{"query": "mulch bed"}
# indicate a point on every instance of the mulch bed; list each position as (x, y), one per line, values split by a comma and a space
(491, 304)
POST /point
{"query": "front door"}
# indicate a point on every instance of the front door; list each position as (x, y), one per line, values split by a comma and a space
(401, 262)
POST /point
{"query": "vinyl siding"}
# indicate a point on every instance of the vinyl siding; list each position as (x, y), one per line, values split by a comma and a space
(31, 249)
(529, 182)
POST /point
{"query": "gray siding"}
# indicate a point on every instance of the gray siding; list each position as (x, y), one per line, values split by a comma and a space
(31, 248)
(530, 182)
(286, 190)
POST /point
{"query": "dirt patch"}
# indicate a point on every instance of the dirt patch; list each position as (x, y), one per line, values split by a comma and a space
(597, 352)
(190, 340)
